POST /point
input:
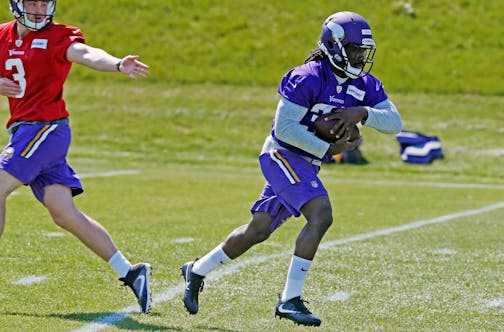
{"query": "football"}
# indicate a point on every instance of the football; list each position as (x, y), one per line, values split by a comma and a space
(323, 127)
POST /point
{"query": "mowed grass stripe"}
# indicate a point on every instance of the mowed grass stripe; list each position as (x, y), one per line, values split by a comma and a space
(172, 292)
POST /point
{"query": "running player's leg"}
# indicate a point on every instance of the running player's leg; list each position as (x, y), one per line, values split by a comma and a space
(303, 194)
(236, 243)
(318, 214)
(59, 202)
(8, 184)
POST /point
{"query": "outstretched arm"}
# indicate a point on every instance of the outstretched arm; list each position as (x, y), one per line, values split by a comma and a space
(99, 59)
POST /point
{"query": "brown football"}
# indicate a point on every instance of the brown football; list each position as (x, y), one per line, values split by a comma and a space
(323, 127)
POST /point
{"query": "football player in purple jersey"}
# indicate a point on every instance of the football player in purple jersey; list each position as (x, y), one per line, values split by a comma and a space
(334, 82)
(36, 55)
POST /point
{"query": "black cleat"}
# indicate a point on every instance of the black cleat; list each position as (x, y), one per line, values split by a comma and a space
(194, 285)
(138, 280)
(295, 310)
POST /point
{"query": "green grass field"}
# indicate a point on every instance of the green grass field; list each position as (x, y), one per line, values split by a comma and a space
(169, 168)
(181, 194)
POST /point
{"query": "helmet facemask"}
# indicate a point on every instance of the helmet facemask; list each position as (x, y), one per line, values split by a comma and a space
(347, 42)
(358, 59)
(19, 12)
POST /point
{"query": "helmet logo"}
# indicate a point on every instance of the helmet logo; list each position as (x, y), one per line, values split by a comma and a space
(336, 30)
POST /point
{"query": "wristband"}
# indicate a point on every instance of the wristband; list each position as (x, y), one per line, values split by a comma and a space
(118, 65)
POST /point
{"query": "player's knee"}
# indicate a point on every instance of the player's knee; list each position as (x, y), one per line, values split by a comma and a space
(323, 220)
(61, 219)
(327, 221)
(318, 213)
(258, 230)
(257, 233)
(260, 236)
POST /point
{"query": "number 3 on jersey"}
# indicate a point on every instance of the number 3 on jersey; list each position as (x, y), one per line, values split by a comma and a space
(19, 76)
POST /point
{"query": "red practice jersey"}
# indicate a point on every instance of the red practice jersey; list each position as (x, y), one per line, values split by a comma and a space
(38, 63)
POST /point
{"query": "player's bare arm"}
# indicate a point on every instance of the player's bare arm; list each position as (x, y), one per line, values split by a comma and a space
(99, 59)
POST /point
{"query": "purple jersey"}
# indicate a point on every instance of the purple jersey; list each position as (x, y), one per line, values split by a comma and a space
(292, 173)
(313, 85)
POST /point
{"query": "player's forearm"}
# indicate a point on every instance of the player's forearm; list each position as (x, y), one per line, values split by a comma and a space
(384, 117)
(289, 130)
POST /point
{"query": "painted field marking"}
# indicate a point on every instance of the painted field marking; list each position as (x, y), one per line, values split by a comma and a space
(30, 280)
(105, 174)
(109, 173)
(421, 184)
(499, 302)
(183, 240)
(340, 296)
(446, 251)
(54, 234)
(413, 225)
(170, 293)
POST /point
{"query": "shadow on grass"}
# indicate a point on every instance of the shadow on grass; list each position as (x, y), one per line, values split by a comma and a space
(119, 320)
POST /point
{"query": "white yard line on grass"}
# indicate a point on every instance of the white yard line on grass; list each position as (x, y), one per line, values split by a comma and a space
(413, 225)
(499, 302)
(424, 184)
(340, 296)
(170, 293)
(109, 173)
(27, 281)
(54, 234)
(99, 175)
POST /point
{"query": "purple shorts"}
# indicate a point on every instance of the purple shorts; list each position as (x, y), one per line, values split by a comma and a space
(36, 156)
(292, 181)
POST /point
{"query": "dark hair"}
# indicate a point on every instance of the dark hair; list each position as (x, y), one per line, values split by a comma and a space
(315, 54)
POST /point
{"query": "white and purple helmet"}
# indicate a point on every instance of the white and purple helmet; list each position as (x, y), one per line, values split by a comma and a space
(341, 31)
(18, 10)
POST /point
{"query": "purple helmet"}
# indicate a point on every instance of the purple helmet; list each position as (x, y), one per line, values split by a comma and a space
(18, 10)
(347, 41)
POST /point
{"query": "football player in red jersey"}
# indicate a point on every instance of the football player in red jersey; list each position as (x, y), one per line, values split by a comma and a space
(36, 55)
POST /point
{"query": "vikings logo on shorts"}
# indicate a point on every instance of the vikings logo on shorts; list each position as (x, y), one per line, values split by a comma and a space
(7, 153)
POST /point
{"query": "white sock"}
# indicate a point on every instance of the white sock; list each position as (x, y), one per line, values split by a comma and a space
(296, 276)
(210, 261)
(120, 264)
